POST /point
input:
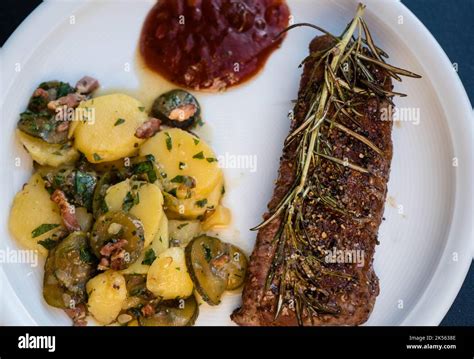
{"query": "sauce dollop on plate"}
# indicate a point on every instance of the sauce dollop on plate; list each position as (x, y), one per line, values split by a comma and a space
(211, 44)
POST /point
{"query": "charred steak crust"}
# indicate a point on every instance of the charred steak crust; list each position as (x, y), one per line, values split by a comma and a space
(361, 193)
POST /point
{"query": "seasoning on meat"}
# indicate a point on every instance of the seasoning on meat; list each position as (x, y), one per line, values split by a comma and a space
(330, 192)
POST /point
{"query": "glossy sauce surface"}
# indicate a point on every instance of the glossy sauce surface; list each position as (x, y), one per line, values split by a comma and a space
(211, 44)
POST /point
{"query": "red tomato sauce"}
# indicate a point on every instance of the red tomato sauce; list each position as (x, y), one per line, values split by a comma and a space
(211, 44)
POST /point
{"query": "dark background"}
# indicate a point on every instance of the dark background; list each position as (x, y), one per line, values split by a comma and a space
(451, 24)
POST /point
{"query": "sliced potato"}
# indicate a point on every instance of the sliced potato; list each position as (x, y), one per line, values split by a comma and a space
(181, 232)
(168, 277)
(194, 207)
(84, 219)
(104, 182)
(116, 194)
(107, 292)
(161, 241)
(32, 213)
(158, 246)
(181, 155)
(148, 208)
(47, 154)
(176, 313)
(110, 132)
(220, 218)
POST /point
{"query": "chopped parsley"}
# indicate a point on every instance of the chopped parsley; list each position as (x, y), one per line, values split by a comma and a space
(150, 256)
(147, 168)
(141, 108)
(169, 141)
(85, 255)
(45, 227)
(119, 122)
(48, 243)
(182, 225)
(199, 156)
(207, 252)
(130, 200)
(188, 181)
(173, 192)
(150, 157)
(96, 157)
(201, 203)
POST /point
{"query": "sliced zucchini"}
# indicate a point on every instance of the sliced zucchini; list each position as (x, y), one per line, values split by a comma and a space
(210, 280)
(236, 267)
(105, 181)
(115, 226)
(215, 267)
(67, 269)
(173, 313)
(181, 232)
(177, 108)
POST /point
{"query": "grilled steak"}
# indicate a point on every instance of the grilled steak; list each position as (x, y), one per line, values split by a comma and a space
(343, 293)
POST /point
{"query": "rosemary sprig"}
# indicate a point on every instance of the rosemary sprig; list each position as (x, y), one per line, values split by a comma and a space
(348, 79)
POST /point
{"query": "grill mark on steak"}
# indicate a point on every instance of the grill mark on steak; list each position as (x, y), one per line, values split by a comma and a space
(362, 194)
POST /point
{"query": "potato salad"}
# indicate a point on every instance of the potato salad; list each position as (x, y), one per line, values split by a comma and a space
(120, 205)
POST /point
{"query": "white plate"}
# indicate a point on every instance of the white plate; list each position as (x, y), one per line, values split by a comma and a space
(424, 253)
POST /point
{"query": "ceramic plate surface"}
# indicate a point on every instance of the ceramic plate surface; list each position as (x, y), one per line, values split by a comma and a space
(426, 239)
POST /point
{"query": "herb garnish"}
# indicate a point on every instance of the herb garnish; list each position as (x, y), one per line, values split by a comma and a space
(348, 81)
(96, 157)
(130, 200)
(85, 255)
(42, 229)
(149, 257)
(169, 141)
(187, 181)
(182, 225)
(199, 156)
(48, 243)
(119, 122)
(201, 203)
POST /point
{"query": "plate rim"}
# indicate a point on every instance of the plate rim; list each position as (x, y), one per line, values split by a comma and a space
(462, 210)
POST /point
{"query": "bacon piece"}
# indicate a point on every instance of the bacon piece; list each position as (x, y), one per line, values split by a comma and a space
(148, 310)
(39, 92)
(113, 255)
(78, 315)
(111, 247)
(148, 128)
(67, 210)
(63, 126)
(183, 112)
(104, 264)
(87, 85)
(71, 100)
